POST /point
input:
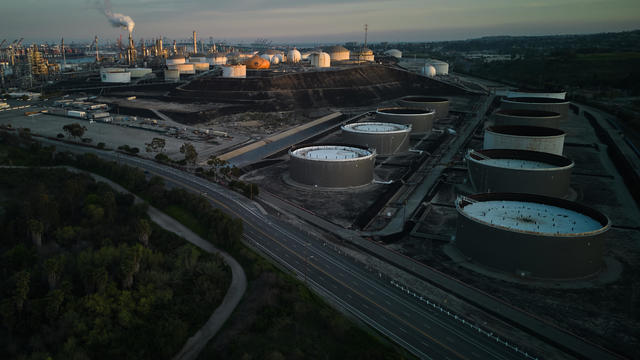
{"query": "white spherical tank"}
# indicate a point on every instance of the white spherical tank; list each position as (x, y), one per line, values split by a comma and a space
(429, 71)
(294, 56)
(394, 52)
(116, 77)
(234, 71)
(320, 59)
(275, 60)
(532, 138)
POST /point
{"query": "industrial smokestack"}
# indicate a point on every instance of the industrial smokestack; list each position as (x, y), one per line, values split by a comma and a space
(64, 58)
(117, 19)
(195, 44)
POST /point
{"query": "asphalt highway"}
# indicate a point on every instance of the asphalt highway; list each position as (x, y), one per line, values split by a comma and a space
(424, 329)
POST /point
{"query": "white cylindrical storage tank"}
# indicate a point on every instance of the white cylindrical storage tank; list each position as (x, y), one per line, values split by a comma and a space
(294, 56)
(321, 59)
(394, 52)
(331, 165)
(172, 75)
(421, 120)
(187, 68)
(203, 66)
(428, 71)
(442, 68)
(440, 105)
(384, 138)
(111, 69)
(139, 72)
(116, 77)
(198, 58)
(532, 138)
(338, 53)
(234, 71)
(176, 60)
(217, 59)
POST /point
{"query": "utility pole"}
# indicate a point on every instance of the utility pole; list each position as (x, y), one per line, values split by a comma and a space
(366, 29)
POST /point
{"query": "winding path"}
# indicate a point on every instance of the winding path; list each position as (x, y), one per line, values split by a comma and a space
(196, 343)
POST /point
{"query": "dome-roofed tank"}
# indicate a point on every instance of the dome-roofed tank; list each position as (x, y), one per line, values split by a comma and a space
(428, 70)
(320, 59)
(338, 53)
(394, 52)
(294, 56)
(256, 62)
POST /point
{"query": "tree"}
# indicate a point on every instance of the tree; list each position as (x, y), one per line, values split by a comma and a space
(143, 228)
(131, 258)
(36, 228)
(53, 267)
(23, 281)
(190, 154)
(74, 130)
(156, 144)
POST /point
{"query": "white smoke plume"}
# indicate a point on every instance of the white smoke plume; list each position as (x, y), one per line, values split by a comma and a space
(117, 19)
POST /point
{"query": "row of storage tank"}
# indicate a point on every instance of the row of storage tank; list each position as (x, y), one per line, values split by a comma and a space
(351, 163)
(517, 218)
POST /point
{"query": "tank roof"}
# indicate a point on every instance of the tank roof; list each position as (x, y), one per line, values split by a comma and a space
(519, 159)
(425, 99)
(336, 48)
(533, 214)
(399, 110)
(517, 130)
(527, 113)
(536, 100)
(331, 152)
(376, 128)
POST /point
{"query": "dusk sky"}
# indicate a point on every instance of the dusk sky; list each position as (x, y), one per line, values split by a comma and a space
(317, 21)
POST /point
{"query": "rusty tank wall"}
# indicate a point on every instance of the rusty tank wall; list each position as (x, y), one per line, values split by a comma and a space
(560, 106)
(527, 117)
(533, 254)
(332, 173)
(421, 120)
(533, 138)
(439, 105)
(385, 143)
(552, 181)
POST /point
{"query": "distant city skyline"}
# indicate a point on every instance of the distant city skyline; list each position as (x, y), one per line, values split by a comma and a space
(307, 21)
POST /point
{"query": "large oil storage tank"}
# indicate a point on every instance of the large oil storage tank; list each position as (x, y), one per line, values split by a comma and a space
(332, 165)
(534, 138)
(421, 120)
(198, 58)
(294, 56)
(527, 118)
(363, 55)
(256, 62)
(394, 52)
(519, 171)
(560, 106)
(172, 75)
(187, 68)
(175, 60)
(320, 59)
(442, 68)
(116, 77)
(440, 105)
(338, 53)
(384, 138)
(202, 66)
(428, 71)
(531, 235)
(139, 72)
(217, 59)
(234, 71)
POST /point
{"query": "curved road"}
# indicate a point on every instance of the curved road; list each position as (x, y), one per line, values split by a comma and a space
(423, 328)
